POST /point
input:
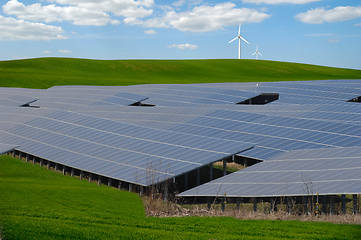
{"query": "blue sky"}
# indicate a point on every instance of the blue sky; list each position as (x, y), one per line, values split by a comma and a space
(322, 32)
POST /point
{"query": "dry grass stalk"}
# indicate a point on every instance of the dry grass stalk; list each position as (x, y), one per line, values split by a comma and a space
(159, 208)
(230, 165)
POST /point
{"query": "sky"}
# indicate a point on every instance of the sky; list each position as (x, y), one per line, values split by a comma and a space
(321, 32)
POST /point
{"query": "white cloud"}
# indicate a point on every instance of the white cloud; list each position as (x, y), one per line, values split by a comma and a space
(45, 52)
(333, 40)
(279, 1)
(64, 51)
(125, 8)
(150, 31)
(358, 24)
(51, 13)
(13, 29)
(205, 18)
(179, 3)
(210, 18)
(183, 46)
(321, 15)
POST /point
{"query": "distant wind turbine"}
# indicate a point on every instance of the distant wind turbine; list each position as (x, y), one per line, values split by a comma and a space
(257, 53)
(239, 38)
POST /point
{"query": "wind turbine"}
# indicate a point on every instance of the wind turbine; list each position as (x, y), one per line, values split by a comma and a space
(257, 53)
(239, 38)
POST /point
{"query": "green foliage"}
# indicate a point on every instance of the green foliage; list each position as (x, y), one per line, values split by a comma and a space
(36, 203)
(48, 72)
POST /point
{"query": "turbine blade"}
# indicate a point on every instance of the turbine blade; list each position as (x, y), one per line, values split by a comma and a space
(244, 40)
(239, 30)
(260, 53)
(254, 53)
(233, 39)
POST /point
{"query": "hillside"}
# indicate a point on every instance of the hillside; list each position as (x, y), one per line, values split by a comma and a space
(48, 72)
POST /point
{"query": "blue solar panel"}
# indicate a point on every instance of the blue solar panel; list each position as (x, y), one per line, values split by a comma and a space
(94, 129)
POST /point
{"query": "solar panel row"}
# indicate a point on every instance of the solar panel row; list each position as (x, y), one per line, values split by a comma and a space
(94, 129)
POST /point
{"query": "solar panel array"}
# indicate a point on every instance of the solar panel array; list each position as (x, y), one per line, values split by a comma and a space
(96, 129)
(297, 173)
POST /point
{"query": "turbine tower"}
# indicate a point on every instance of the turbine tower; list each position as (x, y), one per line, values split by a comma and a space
(239, 39)
(257, 53)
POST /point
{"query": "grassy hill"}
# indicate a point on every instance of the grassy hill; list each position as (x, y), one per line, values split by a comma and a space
(48, 72)
(36, 203)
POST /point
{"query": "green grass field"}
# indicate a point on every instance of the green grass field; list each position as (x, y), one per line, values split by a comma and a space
(36, 203)
(48, 72)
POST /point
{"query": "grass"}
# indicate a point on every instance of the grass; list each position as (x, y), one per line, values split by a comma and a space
(47, 72)
(36, 203)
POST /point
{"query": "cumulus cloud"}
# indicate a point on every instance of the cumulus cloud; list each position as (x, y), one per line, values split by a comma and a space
(51, 13)
(65, 51)
(13, 29)
(321, 15)
(206, 18)
(150, 31)
(183, 46)
(279, 1)
(45, 52)
(125, 8)
(358, 24)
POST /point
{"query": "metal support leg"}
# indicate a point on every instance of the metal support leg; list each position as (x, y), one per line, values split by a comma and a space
(81, 175)
(332, 205)
(20, 155)
(109, 182)
(120, 185)
(211, 172)
(130, 187)
(305, 205)
(274, 205)
(27, 157)
(41, 162)
(198, 177)
(255, 201)
(14, 154)
(324, 204)
(72, 172)
(343, 203)
(224, 167)
(209, 204)
(34, 160)
(56, 166)
(48, 165)
(90, 178)
(64, 170)
(354, 201)
(238, 203)
(99, 180)
(186, 181)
